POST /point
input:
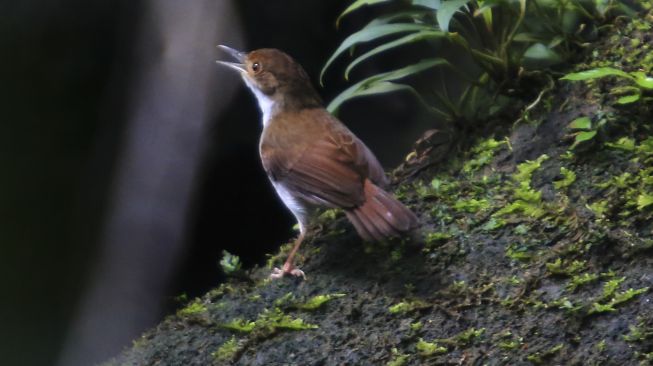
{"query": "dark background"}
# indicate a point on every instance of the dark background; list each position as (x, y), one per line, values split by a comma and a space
(66, 70)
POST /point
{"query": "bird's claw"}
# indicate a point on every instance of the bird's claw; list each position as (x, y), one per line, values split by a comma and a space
(279, 273)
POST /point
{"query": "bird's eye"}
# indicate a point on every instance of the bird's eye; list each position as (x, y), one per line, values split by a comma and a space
(256, 67)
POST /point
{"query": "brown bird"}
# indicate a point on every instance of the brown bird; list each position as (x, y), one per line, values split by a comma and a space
(311, 158)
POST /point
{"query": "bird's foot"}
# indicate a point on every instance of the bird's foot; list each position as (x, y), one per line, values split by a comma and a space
(287, 271)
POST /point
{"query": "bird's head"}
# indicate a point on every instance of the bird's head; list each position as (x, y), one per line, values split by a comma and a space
(274, 77)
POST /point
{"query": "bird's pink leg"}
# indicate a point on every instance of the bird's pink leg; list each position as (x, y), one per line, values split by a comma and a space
(288, 268)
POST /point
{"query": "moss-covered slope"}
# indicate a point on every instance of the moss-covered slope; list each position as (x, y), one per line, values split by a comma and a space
(535, 253)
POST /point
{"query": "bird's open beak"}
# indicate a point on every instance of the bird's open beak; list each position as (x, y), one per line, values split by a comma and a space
(239, 56)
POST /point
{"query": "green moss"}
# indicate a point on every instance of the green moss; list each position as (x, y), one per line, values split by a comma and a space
(329, 215)
(280, 256)
(464, 338)
(268, 323)
(638, 333)
(525, 170)
(566, 305)
(509, 345)
(239, 325)
(647, 358)
(527, 201)
(140, 342)
(539, 358)
(396, 254)
(227, 351)
(581, 280)
(194, 308)
(493, 223)
(230, 263)
(610, 287)
(471, 205)
(624, 144)
(560, 267)
(601, 346)
(644, 200)
(519, 253)
(482, 154)
(599, 208)
(416, 327)
(507, 341)
(429, 348)
(316, 302)
(398, 359)
(443, 186)
(432, 239)
(627, 295)
(287, 299)
(568, 178)
(407, 306)
(459, 288)
(272, 320)
(610, 298)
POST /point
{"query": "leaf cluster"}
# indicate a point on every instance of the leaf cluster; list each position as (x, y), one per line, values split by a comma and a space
(485, 45)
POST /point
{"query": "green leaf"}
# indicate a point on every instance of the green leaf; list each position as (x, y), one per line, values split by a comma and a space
(541, 55)
(358, 90)
(581, 123)
(370, 33)
(526, 37)
(427, 348)
(431, 4)
(358, 4)
(317, 301)
(383, 83)
(410, 38)
(624, 143)
(447, 11)
(644, 200)
(595, 74)
(628, 99)
(568, 178)
(229, 263)
(642, 80)
(583, 136)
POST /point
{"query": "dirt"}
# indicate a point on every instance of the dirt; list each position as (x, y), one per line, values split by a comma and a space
(565, 281)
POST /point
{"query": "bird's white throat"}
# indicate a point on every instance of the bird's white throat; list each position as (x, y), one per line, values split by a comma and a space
(265, 103)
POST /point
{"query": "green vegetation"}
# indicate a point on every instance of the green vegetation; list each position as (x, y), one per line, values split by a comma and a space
(316, 302)
(227, 350)
(558, 267)
(194, 308)
(482, 154)
(639, 333)
(527, 200)
(611, 298)
(239, 325)
(398, 359)
(407, 306)
(463, 338)
(568, 178)
(502, 43)
(268, 322)
(639, 82)
(230, 263)
(543, 261)
(539, 358)
(429, 349)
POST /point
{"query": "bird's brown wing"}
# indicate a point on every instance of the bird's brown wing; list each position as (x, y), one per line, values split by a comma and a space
(330, 169)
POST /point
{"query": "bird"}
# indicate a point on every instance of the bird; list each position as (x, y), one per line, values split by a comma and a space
(311, 158)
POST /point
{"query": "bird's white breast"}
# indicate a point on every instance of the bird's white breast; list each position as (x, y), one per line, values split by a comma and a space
(265, 103)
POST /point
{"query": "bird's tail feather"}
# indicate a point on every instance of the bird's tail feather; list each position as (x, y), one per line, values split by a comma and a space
(381, 215)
